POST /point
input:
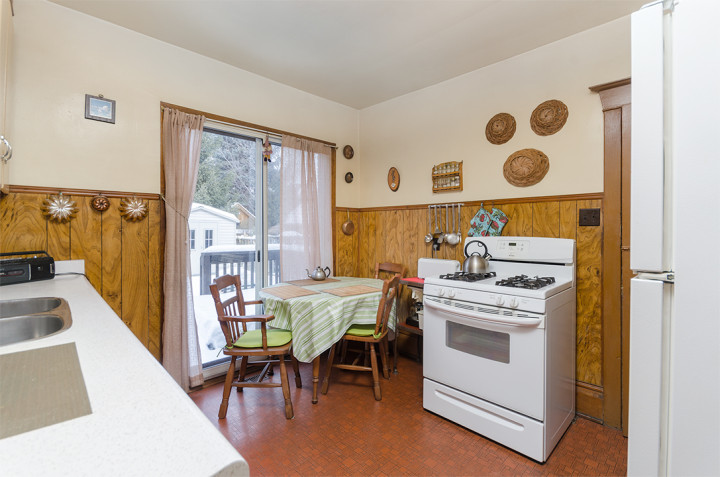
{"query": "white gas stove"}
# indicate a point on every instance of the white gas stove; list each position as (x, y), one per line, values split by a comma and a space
(499, 346)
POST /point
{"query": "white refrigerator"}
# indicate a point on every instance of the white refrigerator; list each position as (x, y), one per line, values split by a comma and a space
(674, 408)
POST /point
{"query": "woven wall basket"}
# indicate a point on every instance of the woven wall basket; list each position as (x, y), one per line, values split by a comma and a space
(549, 117)
(526, 167)
(500, 129)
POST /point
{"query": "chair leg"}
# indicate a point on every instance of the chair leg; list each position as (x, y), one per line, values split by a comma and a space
(296, 368)
(375, 374)
(343, 350)
(226, 390)
(285, 389)
(328, 370)
(395, 350)
(384, 358)
(242, 372)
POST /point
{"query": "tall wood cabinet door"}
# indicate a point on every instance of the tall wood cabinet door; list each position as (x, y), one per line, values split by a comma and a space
(6, 34)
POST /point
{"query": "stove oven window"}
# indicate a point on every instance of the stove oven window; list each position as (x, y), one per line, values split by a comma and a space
(487, 344)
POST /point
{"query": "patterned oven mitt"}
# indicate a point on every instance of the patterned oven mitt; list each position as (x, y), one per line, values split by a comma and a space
(487, 223)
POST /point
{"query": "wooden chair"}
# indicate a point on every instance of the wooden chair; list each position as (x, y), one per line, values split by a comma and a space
(371, 335)
(389, 267)
(397, 270)
(243, 343)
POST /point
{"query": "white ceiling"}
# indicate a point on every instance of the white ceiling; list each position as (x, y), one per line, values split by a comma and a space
(357, 52)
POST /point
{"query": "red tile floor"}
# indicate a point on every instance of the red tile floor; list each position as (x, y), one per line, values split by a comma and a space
(349, 433)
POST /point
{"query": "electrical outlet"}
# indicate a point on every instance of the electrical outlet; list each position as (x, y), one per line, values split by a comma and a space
(589, 217)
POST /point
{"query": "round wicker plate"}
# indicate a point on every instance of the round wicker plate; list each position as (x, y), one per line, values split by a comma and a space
(526, 167)
(500, 129)
(549, 117)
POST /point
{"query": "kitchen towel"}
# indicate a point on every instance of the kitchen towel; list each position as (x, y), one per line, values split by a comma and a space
(487, 223)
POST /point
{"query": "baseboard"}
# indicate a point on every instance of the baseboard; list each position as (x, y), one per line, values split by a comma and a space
(589, 401)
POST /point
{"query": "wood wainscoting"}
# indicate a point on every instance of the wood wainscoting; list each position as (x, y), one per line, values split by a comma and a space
(397, 234)
(123, 260)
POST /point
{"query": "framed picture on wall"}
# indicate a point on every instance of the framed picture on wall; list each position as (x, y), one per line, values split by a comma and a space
(99, 108)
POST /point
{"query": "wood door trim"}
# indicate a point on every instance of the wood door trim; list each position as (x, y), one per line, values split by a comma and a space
(611, 85)
(615, 99)
(611, 285)
(613, 95)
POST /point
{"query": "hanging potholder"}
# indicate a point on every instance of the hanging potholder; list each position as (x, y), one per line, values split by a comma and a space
(487, 223)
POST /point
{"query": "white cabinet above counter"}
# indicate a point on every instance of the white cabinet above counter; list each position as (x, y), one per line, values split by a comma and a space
(140, 422)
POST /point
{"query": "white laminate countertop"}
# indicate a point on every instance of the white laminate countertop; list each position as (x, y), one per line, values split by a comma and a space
(142, 422)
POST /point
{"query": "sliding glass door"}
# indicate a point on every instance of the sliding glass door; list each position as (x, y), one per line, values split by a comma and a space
(234, 224)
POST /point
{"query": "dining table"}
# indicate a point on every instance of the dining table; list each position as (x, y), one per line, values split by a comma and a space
(318, 313)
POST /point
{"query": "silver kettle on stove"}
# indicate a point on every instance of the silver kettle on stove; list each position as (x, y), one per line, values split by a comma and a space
(319, 273)
(476, 262)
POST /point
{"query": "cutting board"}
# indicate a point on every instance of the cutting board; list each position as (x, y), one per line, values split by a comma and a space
(41, 387)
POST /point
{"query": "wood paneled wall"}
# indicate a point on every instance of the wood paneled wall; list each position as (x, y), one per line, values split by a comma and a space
(398, 235)
(123, 260)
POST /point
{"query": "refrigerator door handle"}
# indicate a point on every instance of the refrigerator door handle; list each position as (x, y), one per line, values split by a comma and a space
(667, 277)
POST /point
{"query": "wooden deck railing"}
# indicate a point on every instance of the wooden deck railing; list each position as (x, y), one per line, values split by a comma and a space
(241, 262)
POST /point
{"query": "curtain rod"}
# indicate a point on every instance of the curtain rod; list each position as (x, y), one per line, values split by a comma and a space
(243, 124)
(262, 131)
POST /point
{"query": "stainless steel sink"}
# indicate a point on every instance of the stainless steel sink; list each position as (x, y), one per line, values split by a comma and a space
(28, 306)
(32, 318)
(15, 329)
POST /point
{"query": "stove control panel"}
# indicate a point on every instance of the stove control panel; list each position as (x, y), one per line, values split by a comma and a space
(513, 248)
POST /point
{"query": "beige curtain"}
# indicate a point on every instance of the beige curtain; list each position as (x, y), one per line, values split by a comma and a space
(181, 137)
(305, 207)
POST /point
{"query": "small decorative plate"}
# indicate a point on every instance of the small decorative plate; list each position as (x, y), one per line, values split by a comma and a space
(133, 210)
(348, 152)
(349, 177)
(100, 203)
(59, 209)
(393, 179)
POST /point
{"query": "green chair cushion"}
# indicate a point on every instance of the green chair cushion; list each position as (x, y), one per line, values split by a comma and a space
(362, 330)
(253, 338)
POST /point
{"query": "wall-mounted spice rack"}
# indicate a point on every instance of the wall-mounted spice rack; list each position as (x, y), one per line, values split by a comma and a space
(447, 177)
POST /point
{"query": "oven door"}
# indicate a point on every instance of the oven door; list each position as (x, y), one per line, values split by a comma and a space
(487, 352)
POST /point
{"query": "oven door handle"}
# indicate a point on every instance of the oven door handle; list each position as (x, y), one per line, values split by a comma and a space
(483, 317)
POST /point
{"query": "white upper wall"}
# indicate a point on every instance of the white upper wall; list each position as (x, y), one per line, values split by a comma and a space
(60, 55)
(446, 122)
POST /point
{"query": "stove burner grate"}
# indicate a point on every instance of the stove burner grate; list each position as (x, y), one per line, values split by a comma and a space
(468, 277)
(523, 281)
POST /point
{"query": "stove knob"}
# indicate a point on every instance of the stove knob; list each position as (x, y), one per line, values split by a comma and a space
(441, 291)
(499, 301)
(451, 293)
(514, 302)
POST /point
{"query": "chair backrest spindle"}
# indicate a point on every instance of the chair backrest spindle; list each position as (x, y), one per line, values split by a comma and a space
(233, 306)
(389, 292)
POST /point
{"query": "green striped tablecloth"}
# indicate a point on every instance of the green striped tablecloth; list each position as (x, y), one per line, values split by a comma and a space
(318, 321)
